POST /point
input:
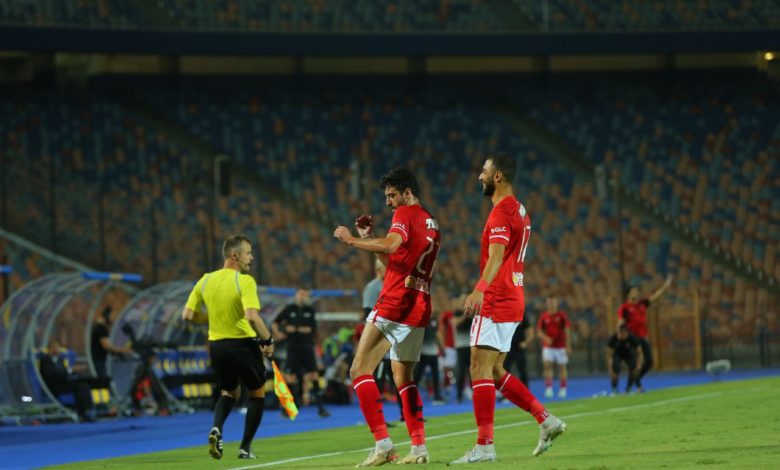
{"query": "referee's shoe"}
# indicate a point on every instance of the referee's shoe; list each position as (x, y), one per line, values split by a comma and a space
(215, 443)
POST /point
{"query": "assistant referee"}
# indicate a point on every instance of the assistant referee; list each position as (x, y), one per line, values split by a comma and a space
(237, 336)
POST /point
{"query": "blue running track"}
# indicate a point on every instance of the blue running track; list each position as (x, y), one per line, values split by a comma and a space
(37, 446)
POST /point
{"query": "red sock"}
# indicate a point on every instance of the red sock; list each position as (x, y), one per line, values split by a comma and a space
(519, 394)
(484, 398)
(371, 405)
(563, 383)
(413, 413)
(548, 383)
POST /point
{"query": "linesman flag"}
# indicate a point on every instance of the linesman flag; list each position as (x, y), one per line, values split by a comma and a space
(282, 392)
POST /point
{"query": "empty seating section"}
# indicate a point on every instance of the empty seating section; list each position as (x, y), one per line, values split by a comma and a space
(62, 148)
(655, 15)
(85, 13)
(706, 153)
(394, 16)
(329, 16)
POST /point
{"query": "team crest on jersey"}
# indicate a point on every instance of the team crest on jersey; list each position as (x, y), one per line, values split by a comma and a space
(410, 281)
(517, 279)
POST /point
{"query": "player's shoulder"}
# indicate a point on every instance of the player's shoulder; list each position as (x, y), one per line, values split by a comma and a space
(246, 279)
(404, 210)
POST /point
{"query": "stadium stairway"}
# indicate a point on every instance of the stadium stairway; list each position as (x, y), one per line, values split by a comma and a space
(632, 200)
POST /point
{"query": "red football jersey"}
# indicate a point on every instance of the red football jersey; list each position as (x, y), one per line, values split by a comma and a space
(449, 332)
(554, 325)
(405, 296)
(635, 316)
(509, 225)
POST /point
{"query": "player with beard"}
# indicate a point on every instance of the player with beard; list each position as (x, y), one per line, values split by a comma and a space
(397, 322)
(497, 305)
(237, 336)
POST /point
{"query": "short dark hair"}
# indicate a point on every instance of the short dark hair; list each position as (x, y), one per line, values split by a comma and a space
(231, 243)
(400, 178)
(505, 164)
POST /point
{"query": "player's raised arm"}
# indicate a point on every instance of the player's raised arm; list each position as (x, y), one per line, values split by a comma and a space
(661, 289)
(381, 246)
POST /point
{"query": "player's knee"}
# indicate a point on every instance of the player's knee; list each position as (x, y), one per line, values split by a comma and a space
(479, 370)
(498, 371)
(355, 370)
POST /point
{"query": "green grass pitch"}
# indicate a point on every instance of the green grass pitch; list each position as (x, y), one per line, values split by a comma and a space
(718, 425)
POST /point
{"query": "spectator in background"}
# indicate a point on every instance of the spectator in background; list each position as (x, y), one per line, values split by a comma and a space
(633, 314)
(523, 336)
(447, 339)
(58, 376)
(554, 330)
(623, 347)
(429, 358)
(297, 324)
(100, 345)
(461, 326)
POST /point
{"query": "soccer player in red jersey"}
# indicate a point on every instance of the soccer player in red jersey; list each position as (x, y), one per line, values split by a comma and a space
(633, 314)
(553, 329)
(497, 304)
(401, 314)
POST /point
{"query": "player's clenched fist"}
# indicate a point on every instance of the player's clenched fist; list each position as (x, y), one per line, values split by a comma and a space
(342, 234)
(364, 225)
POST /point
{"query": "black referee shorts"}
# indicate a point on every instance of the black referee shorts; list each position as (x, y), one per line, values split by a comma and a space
(301, 360)
(234, 359)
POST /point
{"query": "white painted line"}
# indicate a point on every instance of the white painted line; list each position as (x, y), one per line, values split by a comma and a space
(510, 425)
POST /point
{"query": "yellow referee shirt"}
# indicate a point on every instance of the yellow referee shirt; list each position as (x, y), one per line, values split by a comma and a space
(226, 293)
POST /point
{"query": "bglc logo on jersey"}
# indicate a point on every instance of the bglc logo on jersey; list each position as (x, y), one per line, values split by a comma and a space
(399, 225)
(431, 224)
(495, 230)
(517, 279)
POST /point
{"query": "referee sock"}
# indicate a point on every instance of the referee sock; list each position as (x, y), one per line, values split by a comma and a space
(254, 415)
(517, 393)
(484, 398)
(222, 410)
(371, 405)
(413, 413)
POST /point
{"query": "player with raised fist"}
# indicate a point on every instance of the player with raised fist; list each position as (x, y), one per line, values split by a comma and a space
(397, 322)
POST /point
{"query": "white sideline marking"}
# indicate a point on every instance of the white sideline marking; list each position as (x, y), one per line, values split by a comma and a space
(505, 426)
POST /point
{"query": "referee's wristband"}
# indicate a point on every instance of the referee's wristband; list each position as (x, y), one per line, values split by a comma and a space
(481, 286)
(265, 342)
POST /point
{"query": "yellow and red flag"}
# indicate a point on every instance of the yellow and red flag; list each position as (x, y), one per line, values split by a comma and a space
(282, 392)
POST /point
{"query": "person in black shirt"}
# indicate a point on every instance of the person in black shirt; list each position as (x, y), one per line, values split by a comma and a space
(59, 379)
(100, 346)
(297, 326)
(523, 336)
(623, 347)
